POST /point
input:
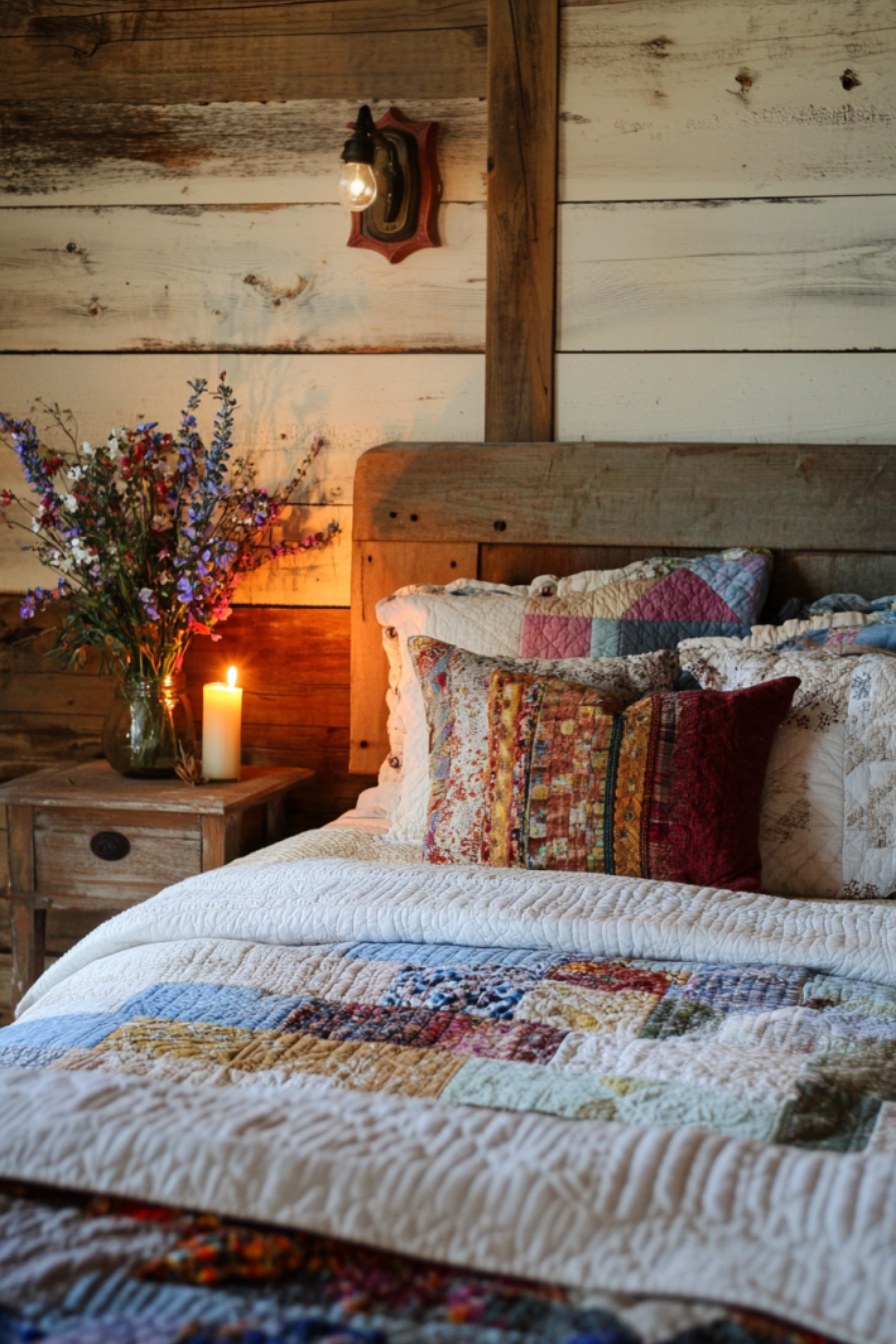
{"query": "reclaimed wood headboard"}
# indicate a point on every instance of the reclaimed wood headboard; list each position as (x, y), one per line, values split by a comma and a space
(433, 512)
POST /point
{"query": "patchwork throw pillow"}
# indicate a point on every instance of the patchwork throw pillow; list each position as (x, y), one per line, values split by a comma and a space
(668, 788)
(828, 817)
(454, 685)
(651, 604)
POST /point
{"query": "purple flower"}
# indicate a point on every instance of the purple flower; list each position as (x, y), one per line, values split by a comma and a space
(147, 597)
(152, 532)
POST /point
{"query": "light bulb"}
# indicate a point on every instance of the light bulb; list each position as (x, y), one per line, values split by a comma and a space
(357, 186)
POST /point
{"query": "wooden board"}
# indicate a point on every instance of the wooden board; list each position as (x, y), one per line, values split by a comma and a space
(87, 153)
(725, 98)
(753, 398)
(165, 51)
(826, 510)
(522, 236)
(810, 274)
(275, 278)
(820, 497)
(378, 569)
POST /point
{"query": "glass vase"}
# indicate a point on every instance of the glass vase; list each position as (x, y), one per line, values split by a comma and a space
(148, 725)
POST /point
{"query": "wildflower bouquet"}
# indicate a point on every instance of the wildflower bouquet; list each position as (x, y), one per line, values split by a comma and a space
(149, 532)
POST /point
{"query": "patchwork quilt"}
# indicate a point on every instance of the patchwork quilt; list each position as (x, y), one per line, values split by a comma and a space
(335, 1094)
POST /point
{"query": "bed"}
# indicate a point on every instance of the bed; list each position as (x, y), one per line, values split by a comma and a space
(581, 1026)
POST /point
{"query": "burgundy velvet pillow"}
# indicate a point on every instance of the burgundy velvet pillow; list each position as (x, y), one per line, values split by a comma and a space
(668, 788)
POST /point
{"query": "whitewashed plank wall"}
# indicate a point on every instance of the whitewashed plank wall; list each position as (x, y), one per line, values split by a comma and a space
(140, 280)
(728, 184)
(707, 98)
(728, 187)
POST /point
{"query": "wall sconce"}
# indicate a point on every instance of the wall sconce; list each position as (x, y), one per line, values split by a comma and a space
(390, 181)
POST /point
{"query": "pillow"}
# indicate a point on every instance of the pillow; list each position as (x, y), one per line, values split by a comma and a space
(651, 604)
(828, 818)
(668, 788)
(848, 638)
(485, 618)
(454, 685)
(828, 628)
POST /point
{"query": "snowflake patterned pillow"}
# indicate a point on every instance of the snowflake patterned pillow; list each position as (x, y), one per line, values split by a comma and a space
(828, 817)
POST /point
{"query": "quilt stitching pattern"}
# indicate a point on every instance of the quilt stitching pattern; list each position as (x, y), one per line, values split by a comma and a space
(798, 1057)
(200, 1279)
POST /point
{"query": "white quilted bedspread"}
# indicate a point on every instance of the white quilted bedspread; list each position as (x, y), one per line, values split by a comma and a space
(810, 1235)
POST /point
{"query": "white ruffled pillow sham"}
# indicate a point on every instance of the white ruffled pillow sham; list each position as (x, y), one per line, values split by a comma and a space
(484, 618)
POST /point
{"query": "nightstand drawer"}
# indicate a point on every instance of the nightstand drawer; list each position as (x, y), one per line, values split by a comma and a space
(126, 855)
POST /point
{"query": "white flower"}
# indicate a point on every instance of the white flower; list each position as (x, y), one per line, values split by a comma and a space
(69, 502)
(86, 449)
(80, 552)
(35, 524)
(75, 472)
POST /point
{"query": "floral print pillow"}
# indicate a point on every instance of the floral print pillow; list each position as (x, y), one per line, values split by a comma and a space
(454, 684)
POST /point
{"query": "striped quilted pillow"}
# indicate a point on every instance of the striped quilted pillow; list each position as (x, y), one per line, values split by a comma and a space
(669, 787)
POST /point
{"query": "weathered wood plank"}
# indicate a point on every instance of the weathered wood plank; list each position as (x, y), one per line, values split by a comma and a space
(720, 98)
(5, 988)
(85, 153)
(753, 398)
(148, 52)
(522, 197)
(811, 574)
(272, 278)
(808, 274)
(820, 497)
(285, 401)
(378, 570)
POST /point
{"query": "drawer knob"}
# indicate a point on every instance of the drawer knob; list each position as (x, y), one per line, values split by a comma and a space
(110, 845)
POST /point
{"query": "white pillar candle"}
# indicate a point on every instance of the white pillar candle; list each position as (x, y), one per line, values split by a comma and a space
(222, 710)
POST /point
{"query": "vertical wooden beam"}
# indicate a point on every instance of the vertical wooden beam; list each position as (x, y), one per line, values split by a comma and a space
(523, 79)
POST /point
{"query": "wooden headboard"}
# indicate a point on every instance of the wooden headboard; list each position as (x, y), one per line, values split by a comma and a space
(433, 512)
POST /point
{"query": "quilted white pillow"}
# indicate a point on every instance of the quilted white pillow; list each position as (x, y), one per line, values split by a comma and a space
(483, 618)
(828, 819)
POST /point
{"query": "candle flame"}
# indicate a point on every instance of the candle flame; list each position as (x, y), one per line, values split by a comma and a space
(231, 676)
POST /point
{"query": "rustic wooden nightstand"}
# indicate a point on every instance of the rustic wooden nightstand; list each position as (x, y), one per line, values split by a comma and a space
(85, 838)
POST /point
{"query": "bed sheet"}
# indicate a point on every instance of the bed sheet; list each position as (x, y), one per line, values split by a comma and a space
(632, 1093)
